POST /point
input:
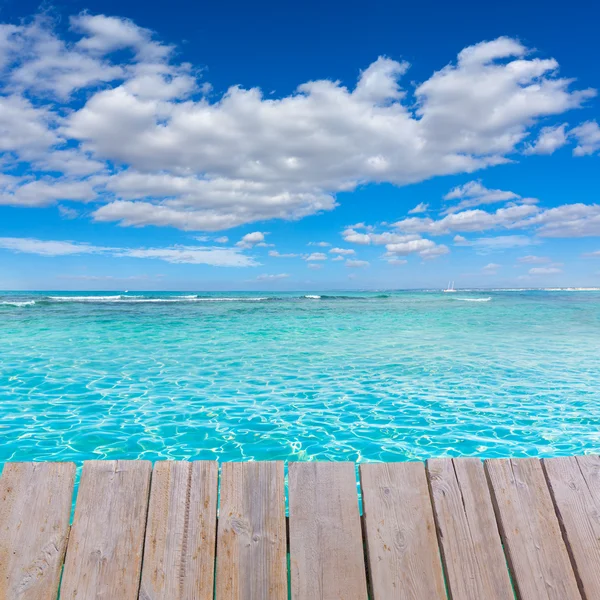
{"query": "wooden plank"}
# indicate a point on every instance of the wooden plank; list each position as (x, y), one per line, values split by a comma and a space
(35, 508)
(251, 540)
(530, 530)
(179, 553)
(402, 550)
(326, 550)
(467, 530)
(575, 486)
(104, 555)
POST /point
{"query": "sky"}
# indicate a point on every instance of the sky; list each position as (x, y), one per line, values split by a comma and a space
(298, 146)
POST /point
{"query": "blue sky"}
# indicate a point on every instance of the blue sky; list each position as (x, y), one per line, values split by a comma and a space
(273, 146)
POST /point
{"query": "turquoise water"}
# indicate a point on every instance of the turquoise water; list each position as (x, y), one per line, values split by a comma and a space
(373, 376)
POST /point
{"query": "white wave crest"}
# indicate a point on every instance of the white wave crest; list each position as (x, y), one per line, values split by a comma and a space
(17, 303)
(312, 297)
(143, 299)
(473, 299)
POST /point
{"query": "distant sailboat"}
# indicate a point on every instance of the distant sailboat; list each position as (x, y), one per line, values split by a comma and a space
(450, 288)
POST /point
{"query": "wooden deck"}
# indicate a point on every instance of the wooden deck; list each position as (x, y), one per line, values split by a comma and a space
(450, 528)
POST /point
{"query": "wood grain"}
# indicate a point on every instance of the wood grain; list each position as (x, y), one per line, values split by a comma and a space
(104, 555)
(251, 539)
(575, 486)
(179, 553)
(467, 530)
(530, 530)
(326, 550)
(402, 549)
(35, 507)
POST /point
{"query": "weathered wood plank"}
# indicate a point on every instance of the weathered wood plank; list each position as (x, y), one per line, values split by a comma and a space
(326, 550)
(402, 549)
(35, 507)
(179, 553)
(530, 530)
(251, 539)
(575, 486)
(104, 554)
(467, 530)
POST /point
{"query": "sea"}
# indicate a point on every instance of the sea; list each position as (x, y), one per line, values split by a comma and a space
(360, 376)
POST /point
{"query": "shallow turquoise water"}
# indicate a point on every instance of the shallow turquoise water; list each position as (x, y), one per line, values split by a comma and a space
(404, 375)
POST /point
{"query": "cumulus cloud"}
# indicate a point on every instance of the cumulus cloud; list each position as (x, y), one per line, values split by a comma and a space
(588, 138)
(251, 239)
(216, 257)
(276, 277)
(395, 243)
(468, 220)
(48, 248)
(568, 220)
(357, 264)
(491, 269)
(548, 140)
(67, 213)
(114, 112)
(473, 194)
(532, 259)
(315, 256)
(276, 254)
(199, 255)
(342, 251)
(501, 242)
(320, 244)
(551, 270)
(419, 208)
(44, 192)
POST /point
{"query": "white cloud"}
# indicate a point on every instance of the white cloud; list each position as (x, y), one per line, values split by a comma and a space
(218, 257)
(532, 259)
(354, 237)
(501, 242)
(320, 244)
(395, 243)
(314, 266)
(549, 140)
(342, 251)
(552, 270)
(276, 277)
(357, 264)
(276, 254)
(45, 192)
(338, 258)
(468, 220)
(491, 269)
(419, 208)
(315, 256)
(67, 212)
(251, 239)
(568, 220)
(474, 193)
(592, 254)
(222, 240)
(426, 248)
(48, 248)
(172, 157)
(588, 138)
(396, 261)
